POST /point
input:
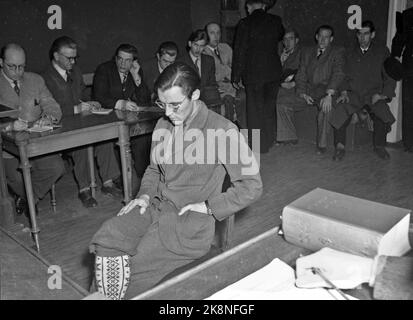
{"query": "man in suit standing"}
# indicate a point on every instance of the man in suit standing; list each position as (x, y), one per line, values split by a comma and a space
(366, 86)
(204, 65)
(119, 84)
(172, 221)
(402, 48)
(319, 77)
(256, 62)
(222, 54)
(165, 56)
(27, 92)
(290, 61)
(64, 80)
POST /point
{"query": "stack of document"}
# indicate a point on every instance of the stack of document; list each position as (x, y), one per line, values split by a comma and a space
(275, 281)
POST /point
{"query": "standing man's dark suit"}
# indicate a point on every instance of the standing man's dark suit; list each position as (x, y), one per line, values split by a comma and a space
(108, 89)
(256, 62)
(209, 86)
(403, 47)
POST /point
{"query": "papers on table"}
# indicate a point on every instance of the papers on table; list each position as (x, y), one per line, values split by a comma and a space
(102, 111)
(39, 129)
(275, 281)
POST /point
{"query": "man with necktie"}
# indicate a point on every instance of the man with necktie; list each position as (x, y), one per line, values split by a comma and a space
(64, 80)
(366, 87)
(204, 65)
(222, 54)
(27, 92)
(119, 84)
(319, 77)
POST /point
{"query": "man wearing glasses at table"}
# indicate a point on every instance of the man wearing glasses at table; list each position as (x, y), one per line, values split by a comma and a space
(27, 92)
(64, 80)
(119, 84)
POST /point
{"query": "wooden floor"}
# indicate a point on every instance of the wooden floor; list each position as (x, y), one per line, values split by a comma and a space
(287, 173)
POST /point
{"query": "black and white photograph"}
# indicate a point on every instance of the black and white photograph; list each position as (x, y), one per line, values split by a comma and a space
(210, 156)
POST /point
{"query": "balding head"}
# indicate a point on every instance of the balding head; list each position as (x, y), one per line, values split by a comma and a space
(214, 34)
(13, 61)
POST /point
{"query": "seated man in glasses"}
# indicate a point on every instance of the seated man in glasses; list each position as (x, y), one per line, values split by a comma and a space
(119, 84)
(64, 80)
(27, 92)
(172, 221)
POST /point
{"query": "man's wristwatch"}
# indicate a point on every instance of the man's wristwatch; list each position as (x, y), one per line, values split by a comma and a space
(209, 210)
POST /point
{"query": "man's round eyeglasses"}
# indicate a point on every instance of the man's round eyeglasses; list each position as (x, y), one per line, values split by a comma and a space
(71, 59)
(174, 105)
(14, 68)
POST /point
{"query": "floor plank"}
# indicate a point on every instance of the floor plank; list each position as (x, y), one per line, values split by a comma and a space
(287, 173)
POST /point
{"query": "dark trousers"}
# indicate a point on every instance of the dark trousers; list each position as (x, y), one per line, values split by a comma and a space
(106, 162)
(407, 113)
(141, 152)
(261, 112)
(379, 134)
(45, 171)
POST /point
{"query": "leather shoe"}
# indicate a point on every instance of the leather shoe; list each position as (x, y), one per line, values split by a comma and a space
(339, 154)
(321, 150)
(382, 153)
(22, 206)
(87, 199)
(112, 191)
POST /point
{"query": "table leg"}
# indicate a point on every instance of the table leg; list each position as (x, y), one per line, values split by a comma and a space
(25, 166)
(91, 157)
(6, 202)
(125, 156)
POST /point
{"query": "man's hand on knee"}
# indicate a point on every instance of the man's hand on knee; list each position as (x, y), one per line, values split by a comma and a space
(142, 202)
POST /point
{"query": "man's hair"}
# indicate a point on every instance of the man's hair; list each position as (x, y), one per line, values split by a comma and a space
(180, 75)
(325, 27)
(251, 2)
(128, 48)
(10, 46)
(294, 31)
(60, 43)
(368, 24)
(198, 35)
(210, 24)
(168, 47)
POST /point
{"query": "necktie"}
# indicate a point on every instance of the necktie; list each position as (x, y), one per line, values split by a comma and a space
(16, 87)
(218, 54)
(125, 77)
(364, 51)
(320, 53)
(197, 66)
(69, 78)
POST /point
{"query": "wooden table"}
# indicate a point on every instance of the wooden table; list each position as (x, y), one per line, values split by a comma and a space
(76, 131)
(6, 203)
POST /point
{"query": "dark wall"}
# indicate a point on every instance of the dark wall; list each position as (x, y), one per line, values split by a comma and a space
(307, 15)
(204, 11)
(98, 26)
